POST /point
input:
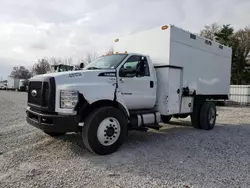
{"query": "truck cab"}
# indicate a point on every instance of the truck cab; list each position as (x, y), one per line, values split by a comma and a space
(136, 78)
(133, 91)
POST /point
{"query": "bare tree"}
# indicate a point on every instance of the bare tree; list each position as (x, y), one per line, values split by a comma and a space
(85, 61)
(243, 36)
(209, 31)
(240, 62)
(110, 51)
(20, 73)
(90, 57)
(58, 60)
(41, 67)
(54, 60)
(67, 61)
(79, 61)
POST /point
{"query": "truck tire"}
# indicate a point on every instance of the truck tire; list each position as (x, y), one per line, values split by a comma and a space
(104, 130)
(54, 134)
(195, 116)
(208, 116)
(166, 119)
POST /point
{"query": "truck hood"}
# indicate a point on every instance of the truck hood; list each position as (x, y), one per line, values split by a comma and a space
(86, 76)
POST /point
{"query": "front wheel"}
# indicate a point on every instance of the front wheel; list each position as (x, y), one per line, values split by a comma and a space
(104, 130)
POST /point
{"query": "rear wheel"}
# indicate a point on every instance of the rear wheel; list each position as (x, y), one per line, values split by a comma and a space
(166, 119)
(208, 116)
(204, 115)
(104, 130)
(195, 116)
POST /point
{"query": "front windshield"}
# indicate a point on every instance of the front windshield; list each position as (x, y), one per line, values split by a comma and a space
(107, 62)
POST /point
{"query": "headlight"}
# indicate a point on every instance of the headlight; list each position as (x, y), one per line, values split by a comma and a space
(68, 99)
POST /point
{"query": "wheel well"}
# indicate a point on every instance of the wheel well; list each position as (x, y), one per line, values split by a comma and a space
(88, 109)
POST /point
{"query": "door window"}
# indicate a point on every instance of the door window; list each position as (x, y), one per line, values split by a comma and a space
(135, 66)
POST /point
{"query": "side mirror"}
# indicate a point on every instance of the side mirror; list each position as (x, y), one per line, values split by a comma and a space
(124, 71)
(81, 65)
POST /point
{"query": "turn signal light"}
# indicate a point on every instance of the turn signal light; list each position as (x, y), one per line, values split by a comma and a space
(116, 40)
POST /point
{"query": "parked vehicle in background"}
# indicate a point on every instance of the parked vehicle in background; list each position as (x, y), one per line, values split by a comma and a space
(153, 75)
(61, 68)
(3, 86)
(12, 83)
(23, 83)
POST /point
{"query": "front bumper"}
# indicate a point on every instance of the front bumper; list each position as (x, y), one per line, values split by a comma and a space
(52, 122)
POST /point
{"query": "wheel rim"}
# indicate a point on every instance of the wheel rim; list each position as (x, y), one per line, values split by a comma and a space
(211, 116)
(108, 131)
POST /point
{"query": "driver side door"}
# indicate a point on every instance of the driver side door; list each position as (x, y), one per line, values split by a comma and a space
(138, 90)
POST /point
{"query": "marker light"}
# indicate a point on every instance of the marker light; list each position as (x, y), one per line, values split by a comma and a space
(164, 27)
(116, 40)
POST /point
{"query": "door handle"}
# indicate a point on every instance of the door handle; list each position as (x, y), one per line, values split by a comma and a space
(151, 84)
(121, 80)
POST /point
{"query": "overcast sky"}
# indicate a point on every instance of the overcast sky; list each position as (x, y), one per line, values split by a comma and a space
(32, 29)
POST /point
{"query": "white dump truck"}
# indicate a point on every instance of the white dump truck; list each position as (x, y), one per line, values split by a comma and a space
(152, 76)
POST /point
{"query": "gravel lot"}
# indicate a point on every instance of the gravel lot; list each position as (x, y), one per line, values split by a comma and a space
(176, 156)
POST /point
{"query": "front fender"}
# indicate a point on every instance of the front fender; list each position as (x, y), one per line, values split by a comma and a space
(119, 99)
(92, 93)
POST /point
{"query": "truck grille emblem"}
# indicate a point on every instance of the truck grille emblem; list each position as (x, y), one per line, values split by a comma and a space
(33, 93)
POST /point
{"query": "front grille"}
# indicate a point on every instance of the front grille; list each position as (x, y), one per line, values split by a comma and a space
(35, 86)
(45, 94)
(44, 99)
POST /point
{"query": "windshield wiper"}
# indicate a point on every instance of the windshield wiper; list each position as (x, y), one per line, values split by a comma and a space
(92, 68)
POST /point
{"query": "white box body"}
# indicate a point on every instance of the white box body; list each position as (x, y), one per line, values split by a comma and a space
(10, 83)
(13, 83)
(206, 68)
